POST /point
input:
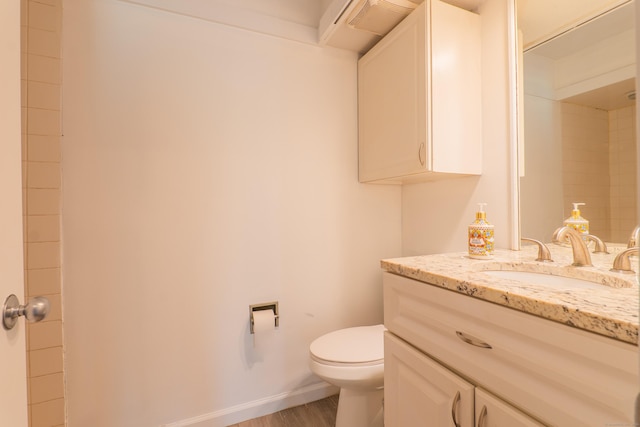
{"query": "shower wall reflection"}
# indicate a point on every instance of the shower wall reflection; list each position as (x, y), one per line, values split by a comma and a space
(599, 168)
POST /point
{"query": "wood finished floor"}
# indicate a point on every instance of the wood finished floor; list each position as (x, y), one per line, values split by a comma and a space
(321, 413)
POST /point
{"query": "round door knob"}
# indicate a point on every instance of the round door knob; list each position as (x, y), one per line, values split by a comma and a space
(35, 310)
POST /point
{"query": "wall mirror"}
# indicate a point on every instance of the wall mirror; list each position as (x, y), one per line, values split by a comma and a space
(577, 139)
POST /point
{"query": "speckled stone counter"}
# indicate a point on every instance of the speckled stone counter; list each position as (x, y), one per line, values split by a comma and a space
(610, 310)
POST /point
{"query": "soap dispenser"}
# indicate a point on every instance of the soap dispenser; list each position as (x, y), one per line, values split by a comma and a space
(577, 222)
(481, 236)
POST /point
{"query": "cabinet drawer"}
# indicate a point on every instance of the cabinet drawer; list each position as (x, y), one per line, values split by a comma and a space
(561, 375)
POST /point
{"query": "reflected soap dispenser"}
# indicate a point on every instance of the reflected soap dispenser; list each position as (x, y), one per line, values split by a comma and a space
(577, 222)
(481, 236)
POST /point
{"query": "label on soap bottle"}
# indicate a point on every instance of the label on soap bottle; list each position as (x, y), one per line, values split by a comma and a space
(481, 241)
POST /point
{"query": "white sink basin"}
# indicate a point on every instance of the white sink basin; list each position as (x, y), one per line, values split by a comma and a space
(558, 282)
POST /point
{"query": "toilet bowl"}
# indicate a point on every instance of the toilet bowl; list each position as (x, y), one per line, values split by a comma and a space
(353, 359)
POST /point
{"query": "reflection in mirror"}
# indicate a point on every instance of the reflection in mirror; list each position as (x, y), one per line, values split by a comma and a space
(579, 117)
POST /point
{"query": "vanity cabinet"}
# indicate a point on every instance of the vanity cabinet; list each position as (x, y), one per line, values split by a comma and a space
(526, 370)
(419, 98)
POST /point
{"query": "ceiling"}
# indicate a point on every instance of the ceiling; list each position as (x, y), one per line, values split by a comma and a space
(541, 20)
(292, 19)
(546, 35)
(299, 19)
(607, 98)
(304, 12)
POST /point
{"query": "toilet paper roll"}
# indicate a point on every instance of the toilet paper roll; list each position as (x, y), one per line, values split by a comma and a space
(263, 327)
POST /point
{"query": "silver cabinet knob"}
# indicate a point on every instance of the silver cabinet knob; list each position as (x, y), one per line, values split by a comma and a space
(35, 310)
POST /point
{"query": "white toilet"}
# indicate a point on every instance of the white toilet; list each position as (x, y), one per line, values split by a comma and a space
(353, 359)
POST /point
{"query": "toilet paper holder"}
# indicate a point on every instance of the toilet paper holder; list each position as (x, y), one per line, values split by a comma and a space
(264, 306)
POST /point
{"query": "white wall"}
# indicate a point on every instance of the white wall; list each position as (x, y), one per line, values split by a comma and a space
(206, 168)
(435, 215)
(541, 187)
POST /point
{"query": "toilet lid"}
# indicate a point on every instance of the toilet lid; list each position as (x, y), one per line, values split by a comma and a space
(352, 345)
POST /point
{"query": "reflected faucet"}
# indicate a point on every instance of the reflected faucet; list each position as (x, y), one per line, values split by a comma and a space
(635, 236)
(543, 251)
(581, 256)
(601, 247)
(622, 263)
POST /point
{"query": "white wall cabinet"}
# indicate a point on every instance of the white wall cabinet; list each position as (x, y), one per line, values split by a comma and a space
(419, 98)
(549, 373)
(420, 392)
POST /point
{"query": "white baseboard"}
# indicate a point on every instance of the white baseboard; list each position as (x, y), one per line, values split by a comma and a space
(258, 408)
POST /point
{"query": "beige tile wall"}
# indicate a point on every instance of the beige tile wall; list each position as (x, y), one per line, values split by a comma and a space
(585, 158)
(599, 164)
(41, 84)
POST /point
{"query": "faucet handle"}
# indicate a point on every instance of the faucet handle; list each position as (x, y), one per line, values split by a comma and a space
(601, 247)
(634, 238)
(622, 263)
(543, 251)
(554, 237)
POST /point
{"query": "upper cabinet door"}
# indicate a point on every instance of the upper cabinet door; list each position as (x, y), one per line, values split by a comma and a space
(419, 104)
(392, 92)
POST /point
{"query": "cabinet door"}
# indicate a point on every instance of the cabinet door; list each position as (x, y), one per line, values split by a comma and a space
(419, 98)
(418, 392)
(392, 101)
(493, 412)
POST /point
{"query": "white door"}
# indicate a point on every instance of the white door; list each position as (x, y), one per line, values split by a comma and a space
(13, 393)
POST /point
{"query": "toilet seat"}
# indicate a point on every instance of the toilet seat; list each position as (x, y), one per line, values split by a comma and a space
(359, 346)
(353, 359)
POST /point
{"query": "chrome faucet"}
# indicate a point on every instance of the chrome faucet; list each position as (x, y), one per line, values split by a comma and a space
(581, 256)
(543, 251)
(622, 263)
(635, 236)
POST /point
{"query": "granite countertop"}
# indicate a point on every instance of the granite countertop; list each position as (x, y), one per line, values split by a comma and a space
(610, 310)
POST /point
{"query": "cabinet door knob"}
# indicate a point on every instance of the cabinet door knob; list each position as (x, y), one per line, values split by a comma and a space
(454, 409)
(482, 417)
(470, 339)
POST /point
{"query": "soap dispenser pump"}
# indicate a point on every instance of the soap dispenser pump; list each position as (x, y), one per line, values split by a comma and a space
(481, 236)
(576, 221)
